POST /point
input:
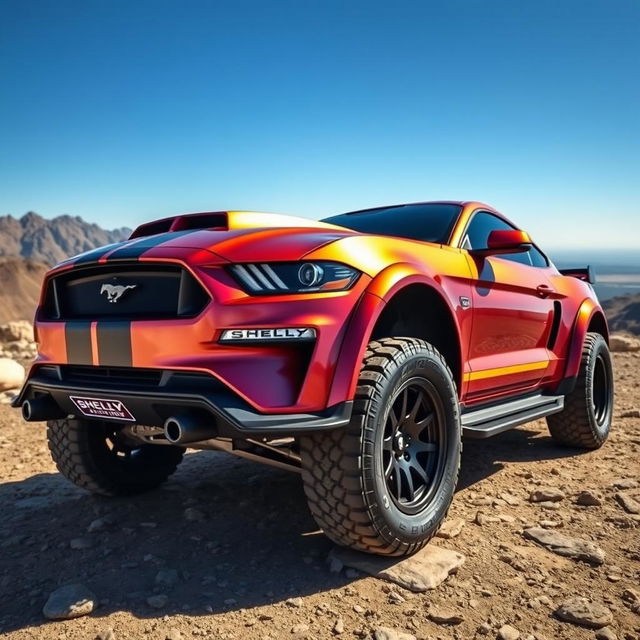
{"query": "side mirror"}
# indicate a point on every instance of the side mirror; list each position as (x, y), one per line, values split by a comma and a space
(506, 241)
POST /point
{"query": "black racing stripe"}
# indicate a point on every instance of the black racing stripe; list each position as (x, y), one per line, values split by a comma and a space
(77, 335)
(135, 250)
(114, 343)
(96, 254)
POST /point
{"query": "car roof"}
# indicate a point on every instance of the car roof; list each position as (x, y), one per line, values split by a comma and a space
(460, 203)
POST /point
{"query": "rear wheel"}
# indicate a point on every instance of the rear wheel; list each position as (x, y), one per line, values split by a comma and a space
(384, 483)
(588, 410)
(97, 457)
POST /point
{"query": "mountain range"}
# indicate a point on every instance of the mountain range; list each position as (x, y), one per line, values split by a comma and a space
(51, 240)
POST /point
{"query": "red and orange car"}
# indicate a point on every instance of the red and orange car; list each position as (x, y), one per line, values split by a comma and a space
(358, 349)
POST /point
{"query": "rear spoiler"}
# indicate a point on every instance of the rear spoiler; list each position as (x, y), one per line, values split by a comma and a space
(587, 274)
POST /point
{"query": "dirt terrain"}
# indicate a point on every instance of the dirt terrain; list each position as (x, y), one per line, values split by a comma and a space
(227, 548)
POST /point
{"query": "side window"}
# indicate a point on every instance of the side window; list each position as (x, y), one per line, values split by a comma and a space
(538, 258)
(477, 236)
(481, 226)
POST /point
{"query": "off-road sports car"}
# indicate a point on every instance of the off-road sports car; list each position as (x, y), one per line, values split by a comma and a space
(358, 350)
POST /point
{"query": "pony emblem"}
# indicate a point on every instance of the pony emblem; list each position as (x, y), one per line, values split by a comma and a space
(115, 291)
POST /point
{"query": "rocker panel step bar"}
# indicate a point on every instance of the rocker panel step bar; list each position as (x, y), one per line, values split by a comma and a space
(489, 421)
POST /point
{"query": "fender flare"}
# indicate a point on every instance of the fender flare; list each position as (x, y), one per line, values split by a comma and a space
(364, 318)
(588, 310)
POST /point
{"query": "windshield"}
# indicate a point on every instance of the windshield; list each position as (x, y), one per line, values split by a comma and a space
(426, 222)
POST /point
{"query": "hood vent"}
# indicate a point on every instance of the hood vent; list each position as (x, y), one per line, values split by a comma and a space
(212, 221)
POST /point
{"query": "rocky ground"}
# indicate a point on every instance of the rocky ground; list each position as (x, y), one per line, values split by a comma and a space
(227, 549)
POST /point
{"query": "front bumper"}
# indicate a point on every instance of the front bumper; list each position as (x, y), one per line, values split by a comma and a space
(272, 377)
(153, 396)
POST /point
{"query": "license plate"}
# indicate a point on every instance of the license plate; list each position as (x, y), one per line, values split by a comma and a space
(102, 408)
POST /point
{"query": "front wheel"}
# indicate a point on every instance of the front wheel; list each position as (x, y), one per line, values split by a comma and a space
(96, 456)
(384, 483)
(588, 410)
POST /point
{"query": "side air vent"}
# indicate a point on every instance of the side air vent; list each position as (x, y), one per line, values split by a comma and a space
(555, 324)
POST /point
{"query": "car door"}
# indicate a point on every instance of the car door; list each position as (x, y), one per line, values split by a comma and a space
(512, 302)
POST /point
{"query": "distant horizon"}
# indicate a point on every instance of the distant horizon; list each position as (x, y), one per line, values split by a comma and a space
(626, 251)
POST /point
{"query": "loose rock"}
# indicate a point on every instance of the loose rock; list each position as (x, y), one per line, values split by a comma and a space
(445, 616)
(507, 632)
(81, 543)
(70, 601)
(451, 528)
(585, 613)
(546, 494)
(294, 602)
(193, 515)
(167, 577)
(606, 633)
(159, 601)
(385, 633)
(99, 524)
(629, 504)
(421, 572)
(588, 499)
(565, 546)
(625, 483)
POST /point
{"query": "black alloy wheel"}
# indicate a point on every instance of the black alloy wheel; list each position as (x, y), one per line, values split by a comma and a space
(413, 438)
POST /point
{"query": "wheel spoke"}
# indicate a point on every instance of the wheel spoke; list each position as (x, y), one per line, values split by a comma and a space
(388, 467)
(417, 446)
(406, 472)
(416, 407)
(394, 418)
(420, 471)
(398, 479)
(405, 401)
(425, 422)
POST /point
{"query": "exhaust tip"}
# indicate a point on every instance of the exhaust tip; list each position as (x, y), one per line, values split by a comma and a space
(27, 411)
(173, 430)
(41, 407)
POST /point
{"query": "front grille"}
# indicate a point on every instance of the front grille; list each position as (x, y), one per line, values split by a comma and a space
(131, 291)
(132, 378)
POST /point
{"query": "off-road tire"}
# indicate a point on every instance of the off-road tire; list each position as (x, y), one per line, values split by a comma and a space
(84, 454)
(577, 425)
(342, 470)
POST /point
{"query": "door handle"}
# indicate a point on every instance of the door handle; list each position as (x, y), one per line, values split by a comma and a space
(544, 290)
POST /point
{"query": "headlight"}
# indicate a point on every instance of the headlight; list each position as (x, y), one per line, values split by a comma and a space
(294, 277)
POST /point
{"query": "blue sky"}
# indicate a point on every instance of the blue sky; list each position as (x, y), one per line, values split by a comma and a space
(125, 111)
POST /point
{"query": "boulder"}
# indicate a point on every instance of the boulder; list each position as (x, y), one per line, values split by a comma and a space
(11, 374)
(16, 330)
(620, 342)
(70, 601)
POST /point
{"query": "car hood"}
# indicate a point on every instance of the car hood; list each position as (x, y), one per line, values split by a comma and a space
(235, 237)
(257, 245)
